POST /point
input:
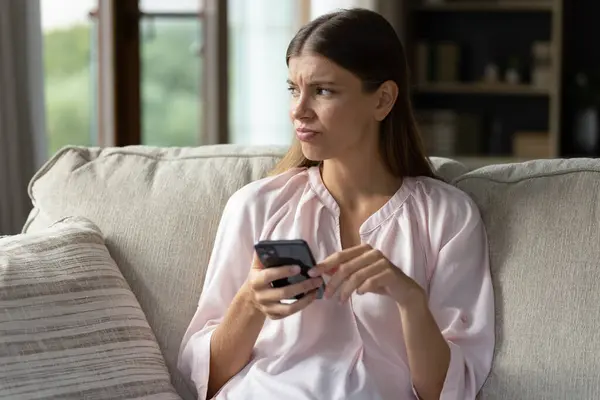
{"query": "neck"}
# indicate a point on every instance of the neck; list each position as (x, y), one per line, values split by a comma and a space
(353, 182)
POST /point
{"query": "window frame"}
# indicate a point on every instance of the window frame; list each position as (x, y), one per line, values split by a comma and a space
(119, 70)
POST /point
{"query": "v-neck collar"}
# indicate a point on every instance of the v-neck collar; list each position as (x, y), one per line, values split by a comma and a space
(374, 220)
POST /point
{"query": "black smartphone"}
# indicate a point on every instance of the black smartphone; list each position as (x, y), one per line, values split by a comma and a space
(276, 253)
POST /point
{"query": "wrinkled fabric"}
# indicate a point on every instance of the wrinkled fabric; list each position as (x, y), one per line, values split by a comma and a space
(429, 229)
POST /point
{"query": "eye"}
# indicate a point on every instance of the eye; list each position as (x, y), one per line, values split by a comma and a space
(324, 92)
(293, 91)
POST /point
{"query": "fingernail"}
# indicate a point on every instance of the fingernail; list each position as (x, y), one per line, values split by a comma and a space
(313, 273)
(296, 269)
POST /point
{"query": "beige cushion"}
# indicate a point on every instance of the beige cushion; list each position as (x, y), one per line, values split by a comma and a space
(70, 327)
(159, 209)
(543, 222)
(448, 169)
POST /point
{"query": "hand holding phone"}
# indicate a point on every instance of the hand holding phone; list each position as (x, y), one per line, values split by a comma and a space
(274, 302)
(277, 253)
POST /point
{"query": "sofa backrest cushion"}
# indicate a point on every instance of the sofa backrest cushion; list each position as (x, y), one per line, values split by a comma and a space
(159, 209)
(543, 225)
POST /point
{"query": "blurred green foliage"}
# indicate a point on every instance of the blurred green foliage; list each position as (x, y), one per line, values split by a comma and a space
(171, 68)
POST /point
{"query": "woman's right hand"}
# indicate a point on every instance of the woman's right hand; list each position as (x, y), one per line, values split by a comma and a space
(267, 299)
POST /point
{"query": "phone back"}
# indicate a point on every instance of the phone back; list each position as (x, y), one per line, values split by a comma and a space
(276, 253)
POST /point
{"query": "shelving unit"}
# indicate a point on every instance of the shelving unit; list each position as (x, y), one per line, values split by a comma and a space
(483, 88)
(495, 6)
(447, 94)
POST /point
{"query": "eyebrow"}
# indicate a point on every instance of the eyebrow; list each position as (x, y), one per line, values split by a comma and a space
(314, 83)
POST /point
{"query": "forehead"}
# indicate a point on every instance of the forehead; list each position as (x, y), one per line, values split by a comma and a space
(314, 67)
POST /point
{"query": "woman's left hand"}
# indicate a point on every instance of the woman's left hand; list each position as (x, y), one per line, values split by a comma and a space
(366, 270)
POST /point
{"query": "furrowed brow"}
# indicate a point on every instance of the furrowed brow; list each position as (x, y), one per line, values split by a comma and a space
(321, 83)
(314, 83)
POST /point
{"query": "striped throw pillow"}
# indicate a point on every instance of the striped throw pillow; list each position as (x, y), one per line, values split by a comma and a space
(70, 327)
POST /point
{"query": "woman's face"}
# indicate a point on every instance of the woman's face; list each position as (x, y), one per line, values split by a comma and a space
(333, 117)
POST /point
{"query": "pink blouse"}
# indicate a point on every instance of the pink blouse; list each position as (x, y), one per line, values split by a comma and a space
(429, 229)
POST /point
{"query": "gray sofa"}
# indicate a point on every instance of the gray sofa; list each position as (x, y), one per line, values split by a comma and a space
(159, 208)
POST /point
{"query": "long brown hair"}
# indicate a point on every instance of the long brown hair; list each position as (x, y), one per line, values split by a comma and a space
(364, 43)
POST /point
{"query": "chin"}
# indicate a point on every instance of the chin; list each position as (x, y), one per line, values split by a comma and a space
(314, 153)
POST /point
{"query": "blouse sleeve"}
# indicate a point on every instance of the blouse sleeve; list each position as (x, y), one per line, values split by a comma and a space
(462, 302)
(227, 270)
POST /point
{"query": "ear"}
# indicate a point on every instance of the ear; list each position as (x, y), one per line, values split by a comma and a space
(386, 97)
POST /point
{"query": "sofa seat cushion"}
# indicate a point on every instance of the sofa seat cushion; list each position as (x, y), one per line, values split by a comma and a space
(543, 224)
(159, 209)
(70, 327)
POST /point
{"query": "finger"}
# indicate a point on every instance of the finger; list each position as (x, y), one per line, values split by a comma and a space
(374, 283)
(350, 268)
(290, 291)
(359, 278)
(336, 259)
(256, 263)
(278, 310)
(266, 276)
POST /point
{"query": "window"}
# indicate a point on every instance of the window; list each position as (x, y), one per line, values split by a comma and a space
(68, 40)
(156, 79)
(320, 7)
(171, 70)
(259, 32)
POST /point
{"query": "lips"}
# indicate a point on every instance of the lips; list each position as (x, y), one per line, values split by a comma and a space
(306, 135)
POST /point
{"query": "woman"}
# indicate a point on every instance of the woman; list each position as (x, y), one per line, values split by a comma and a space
(408, 311)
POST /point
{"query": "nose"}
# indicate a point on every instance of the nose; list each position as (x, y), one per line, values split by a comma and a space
(301, 107)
